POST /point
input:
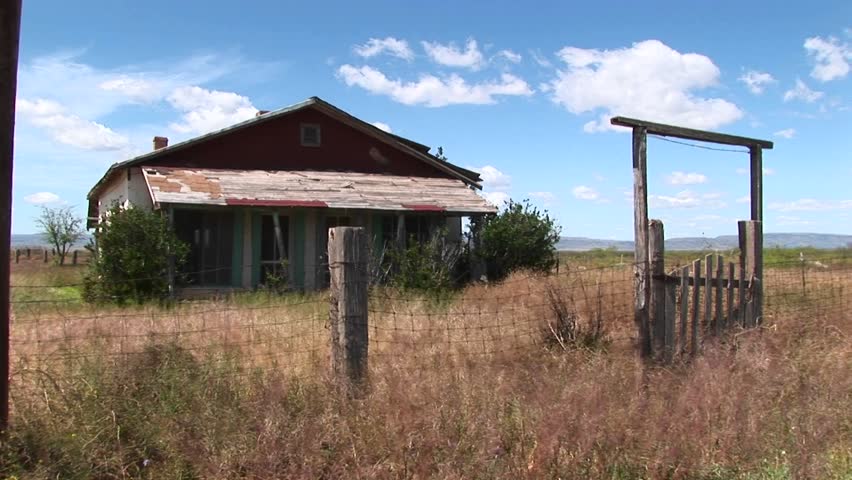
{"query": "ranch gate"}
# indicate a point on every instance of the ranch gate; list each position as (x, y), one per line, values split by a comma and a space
(668, 307)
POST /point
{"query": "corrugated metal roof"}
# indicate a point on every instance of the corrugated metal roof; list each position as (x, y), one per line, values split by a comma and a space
(368, 191)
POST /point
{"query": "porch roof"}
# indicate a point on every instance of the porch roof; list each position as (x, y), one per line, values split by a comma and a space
(312, 189)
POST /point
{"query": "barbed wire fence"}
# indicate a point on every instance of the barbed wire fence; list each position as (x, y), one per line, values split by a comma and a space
(56, 340)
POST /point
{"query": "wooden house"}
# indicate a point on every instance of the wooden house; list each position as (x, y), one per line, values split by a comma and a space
(257, 198)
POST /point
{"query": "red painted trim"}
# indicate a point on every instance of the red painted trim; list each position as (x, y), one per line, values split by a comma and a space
(423, 208)
(250, 202)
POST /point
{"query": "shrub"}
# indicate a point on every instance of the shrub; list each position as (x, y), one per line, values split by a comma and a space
(430, 266)
(519, 237)
(132, 257)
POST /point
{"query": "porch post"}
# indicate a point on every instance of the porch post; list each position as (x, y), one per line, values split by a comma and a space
(170, 215)
(400, 231)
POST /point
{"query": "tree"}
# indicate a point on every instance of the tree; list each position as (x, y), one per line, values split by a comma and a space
(132, 259)
(519, 237)
(60, 228)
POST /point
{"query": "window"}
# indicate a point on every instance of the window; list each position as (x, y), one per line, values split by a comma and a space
(272, 259)
(310, 135)
(418, 229)
(210, 236)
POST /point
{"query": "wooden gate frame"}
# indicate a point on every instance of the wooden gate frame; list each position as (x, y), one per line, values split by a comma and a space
(641, 130)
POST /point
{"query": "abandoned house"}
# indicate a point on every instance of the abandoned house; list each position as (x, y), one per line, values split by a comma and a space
(256, 199)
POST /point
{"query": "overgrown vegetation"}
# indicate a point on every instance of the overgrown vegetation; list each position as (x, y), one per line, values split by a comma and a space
(61, 228)
(429, 267)
(131, 398)
(132, 258)
(520, 237)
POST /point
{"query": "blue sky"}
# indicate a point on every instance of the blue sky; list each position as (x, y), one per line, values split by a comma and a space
(518, 92)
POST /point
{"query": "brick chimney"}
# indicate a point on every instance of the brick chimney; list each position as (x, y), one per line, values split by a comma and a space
(261, 112)
(160, 142)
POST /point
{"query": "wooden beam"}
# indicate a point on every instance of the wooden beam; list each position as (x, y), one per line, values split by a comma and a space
(656, 249)
(10, 34)
(690, 133)
(642, 280)
(756, 157)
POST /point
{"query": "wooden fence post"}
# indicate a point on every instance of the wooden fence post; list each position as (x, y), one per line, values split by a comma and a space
(751, 246)
(348, 264)
(74, 258)
(29, 252)
(657, 258)
(642, 282)
(45, 255)
(17, 256)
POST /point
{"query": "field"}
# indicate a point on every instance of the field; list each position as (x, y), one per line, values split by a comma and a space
(473, 384)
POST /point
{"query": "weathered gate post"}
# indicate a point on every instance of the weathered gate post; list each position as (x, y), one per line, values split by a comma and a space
(74, 258)
(348, 263)
(656, 254)
(751, 262)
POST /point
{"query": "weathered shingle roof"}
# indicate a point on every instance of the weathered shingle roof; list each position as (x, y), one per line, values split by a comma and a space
(351, 190)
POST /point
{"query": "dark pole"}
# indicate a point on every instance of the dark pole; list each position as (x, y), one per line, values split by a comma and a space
(10, 33)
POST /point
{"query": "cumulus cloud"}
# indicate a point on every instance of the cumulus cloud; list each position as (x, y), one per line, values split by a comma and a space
(684, 178)
(756, 81)
(207, 110)
(831, 58)
(810, 205)
(70, 129)
(432, 91)
(392, 46)
(786, 133)
(509, 55)
(648, 80)
(802, 92)
(136, 89)
(383, 126)
(42, 198)
(686, 199)
(585, 193)
(451, 56)
(495, 184)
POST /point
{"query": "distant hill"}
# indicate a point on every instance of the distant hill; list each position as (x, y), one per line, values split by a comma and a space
(724, 242)
(37, 241)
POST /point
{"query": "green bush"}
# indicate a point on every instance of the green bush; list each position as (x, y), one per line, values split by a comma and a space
(131, 262)
(521, 237)
(429, 267)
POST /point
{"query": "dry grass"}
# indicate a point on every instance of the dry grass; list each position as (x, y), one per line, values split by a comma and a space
(461, 387)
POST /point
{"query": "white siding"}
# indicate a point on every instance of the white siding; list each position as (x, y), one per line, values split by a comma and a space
(137, 189)
(126, 192)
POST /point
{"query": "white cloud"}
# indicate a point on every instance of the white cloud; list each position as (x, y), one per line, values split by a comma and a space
(498, 199)
(786, 133)
(391, 46)
(70, 129)
(585, 193)
(810, 205)
(432, 91)
(493, 178)
(42, 198)
(383, 126)
(687, 199)
(756, 81)
(540, 59)
(648, 80)
(137, 89)
(546, 198)
(511, 56)
(451, 56)
(802, 92)
(683, 178)
(791, 220)
(830, 56)
(207, 110)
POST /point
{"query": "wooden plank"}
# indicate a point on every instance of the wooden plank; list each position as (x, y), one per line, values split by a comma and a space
(642, 279)
(726, 282)
(756, 161)
(684, 306)
(696, 295)
(708, 292)
(656, 251)
(755, 248)
(729, 318)
(742, 298)
(720, 290)
(690, 133)
(669, 315)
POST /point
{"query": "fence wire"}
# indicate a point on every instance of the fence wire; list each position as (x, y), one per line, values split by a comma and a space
(62, 339)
